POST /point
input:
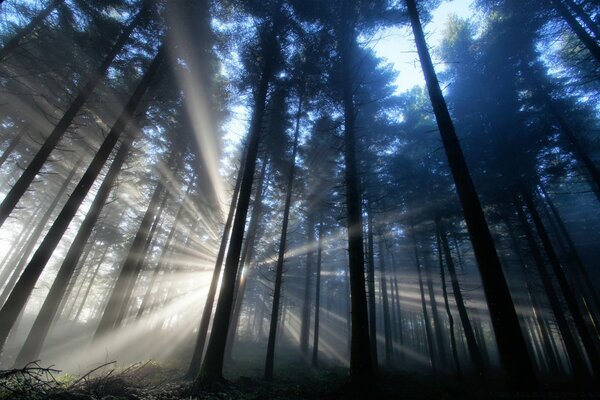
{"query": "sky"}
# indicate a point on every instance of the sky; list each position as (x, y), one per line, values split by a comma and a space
(396, 45)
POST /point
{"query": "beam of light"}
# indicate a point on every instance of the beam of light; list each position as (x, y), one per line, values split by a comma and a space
(196, 104)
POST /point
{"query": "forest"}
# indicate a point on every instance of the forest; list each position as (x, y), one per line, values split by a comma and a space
(244, 199)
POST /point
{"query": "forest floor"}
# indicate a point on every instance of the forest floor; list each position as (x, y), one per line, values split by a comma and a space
(154, 381)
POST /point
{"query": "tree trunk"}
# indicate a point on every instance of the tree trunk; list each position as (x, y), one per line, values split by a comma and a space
(305, 327)
(474, 351)
(428, 333)
(36, 164)
(281, 255)
(315, 353)
(584, 16)
(588, 343)
(121, 293)
(35, 235)
(9, 149)
(91, 283)
(437, 323)
(577, 362)
(371, 291)
(13, 43)
(511, 343)
(579, 30)
(26, 284)
(387, 326)
(447, 306)
(212, 366)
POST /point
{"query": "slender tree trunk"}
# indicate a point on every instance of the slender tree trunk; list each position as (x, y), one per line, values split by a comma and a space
(447, 306)
(305, 327)
(246, 260)
(212, 366)
(35, 235)
(13, 43)
(387, 326)
(34, 167)
(281, 255)
(17, 246)
(91, 282)
(371, 292)
(588, 343)
(579, 30)
(577, 362)
(121, 293)
(194, 367)
(474, 351)
(437, 323)
(315, 352)
(584, 16)
(25, 285)
(511, 343)
(428, 333)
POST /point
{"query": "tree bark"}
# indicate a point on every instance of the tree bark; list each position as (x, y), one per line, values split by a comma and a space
(387, 326)
(579, 30)
(511, 343)
(315, 352)
(371, 291)
(9, 149)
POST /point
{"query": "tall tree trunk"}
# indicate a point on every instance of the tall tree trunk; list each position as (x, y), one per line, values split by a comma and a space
(14, 142)
(305, 327)
(361, 359)
(121, 293)
(36, 164)
(585, 17)
(315, 352)
(33, 344)
(437, 323)
(447, 305)
(281, 255)
(428, 333)
(91, 283)
(17, 246)
(579, 30)
(511, 343)
(212, 366)
(371, 291)
(575, 358)
(246, 260)
(35, 235)
(26, 284)
(588, 343)
(13, 43)
(387, 326)
(194, 367)
(474, 351)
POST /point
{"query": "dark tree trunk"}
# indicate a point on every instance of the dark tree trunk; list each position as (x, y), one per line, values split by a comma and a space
(474, 351)
(437, 323)
(361, 359)
(588, 343)
(371, 291)
(34, 167)
(387, 326)
(9, 149)
(91, 283)
(579, 30)
(121, 293)
(447, 306)
(315, 353)
(577, 362)
(305, 327)
(212, 366)
(511, 343)
(428, 333)
(13, 43)
(17, 247)
(281, 255)
(246, 260)
(21, 292)
(584, 16)
(35, 235)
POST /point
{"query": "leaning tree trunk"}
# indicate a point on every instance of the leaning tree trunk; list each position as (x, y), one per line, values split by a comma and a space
(33, 344)
(212, 366)
(13, 43)
(315, 353)
(18, 297)
(474, 351)
(567, 292)
(115, 309)
(281, 255)
(511, 343)
(90, 283)
(36, 164)
(212, 290)
(14, 142)
(585, 17)
(35, 235)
